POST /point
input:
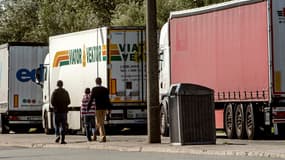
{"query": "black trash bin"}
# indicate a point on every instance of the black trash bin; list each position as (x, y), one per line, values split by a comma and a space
(192, 115)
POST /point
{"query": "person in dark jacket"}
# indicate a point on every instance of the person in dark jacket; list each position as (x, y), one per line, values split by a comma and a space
(60, 100)
(102, 101)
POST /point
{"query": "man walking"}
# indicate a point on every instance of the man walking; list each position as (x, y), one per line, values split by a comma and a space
(60, 100)
(101, 96)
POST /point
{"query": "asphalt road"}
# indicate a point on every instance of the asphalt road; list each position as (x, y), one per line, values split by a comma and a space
(21, 153)
(138, 143)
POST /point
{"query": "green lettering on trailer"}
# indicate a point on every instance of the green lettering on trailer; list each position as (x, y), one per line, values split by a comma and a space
(131, 52)
(93, 54)
(75, 56)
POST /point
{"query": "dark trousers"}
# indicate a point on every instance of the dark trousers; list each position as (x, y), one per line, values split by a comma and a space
(60, 124)
(89, 124)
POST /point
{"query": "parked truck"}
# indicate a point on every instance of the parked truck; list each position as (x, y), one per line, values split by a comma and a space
(116, 54)
(236, 48)
(20, 95)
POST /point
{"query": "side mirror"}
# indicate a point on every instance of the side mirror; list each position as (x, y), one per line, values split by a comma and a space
(40, 75)
(160, 58)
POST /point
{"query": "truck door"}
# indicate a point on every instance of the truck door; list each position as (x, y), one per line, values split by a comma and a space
(278, 46)
(128, 66)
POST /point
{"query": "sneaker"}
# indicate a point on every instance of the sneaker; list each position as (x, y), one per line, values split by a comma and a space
(103, 140)
(94, 138)
(57, 139)
(63, 142)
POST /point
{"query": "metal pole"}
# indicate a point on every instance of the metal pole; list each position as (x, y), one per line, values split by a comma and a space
(153, 110)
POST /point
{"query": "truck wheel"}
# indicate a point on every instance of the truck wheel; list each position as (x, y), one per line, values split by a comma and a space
(281, 130)
(46, 129)
(250, 122)
(229, 121)
(164, 129)
(239, 121)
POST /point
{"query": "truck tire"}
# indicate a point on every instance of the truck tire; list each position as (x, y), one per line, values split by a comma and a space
(164, 129)
(240, 121)
(281, 130)
(46, 129)
(229, 124)
(250, 122)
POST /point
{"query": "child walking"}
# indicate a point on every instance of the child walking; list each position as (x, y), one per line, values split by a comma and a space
(88, 116)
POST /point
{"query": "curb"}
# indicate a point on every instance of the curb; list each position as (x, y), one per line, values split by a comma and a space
(134, 143)
(151, 148)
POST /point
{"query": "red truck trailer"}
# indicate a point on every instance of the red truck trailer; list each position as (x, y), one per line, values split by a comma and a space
(236, 48)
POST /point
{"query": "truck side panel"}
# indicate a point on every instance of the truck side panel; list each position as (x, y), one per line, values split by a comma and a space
(3, 79)
(232, 59)
(24, 93)
(278, 39)
(77, 59)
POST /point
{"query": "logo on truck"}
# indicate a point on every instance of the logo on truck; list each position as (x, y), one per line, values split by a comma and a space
(77, 56)
(118, 52)
(281, 12)
(281, 15)
(125, 52)
(25, 75)
(132, 52)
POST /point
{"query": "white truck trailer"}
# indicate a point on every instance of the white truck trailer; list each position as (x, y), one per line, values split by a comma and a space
(116, 54)
(20, 96)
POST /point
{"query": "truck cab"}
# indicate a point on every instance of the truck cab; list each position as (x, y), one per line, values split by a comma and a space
(164, 78)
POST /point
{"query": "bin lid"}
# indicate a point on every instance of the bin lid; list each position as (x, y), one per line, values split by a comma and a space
(181, 89)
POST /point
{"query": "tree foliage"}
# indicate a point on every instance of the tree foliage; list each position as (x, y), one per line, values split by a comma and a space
(130, 13)
(58, 17)
(18, 20)
(36, 20)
